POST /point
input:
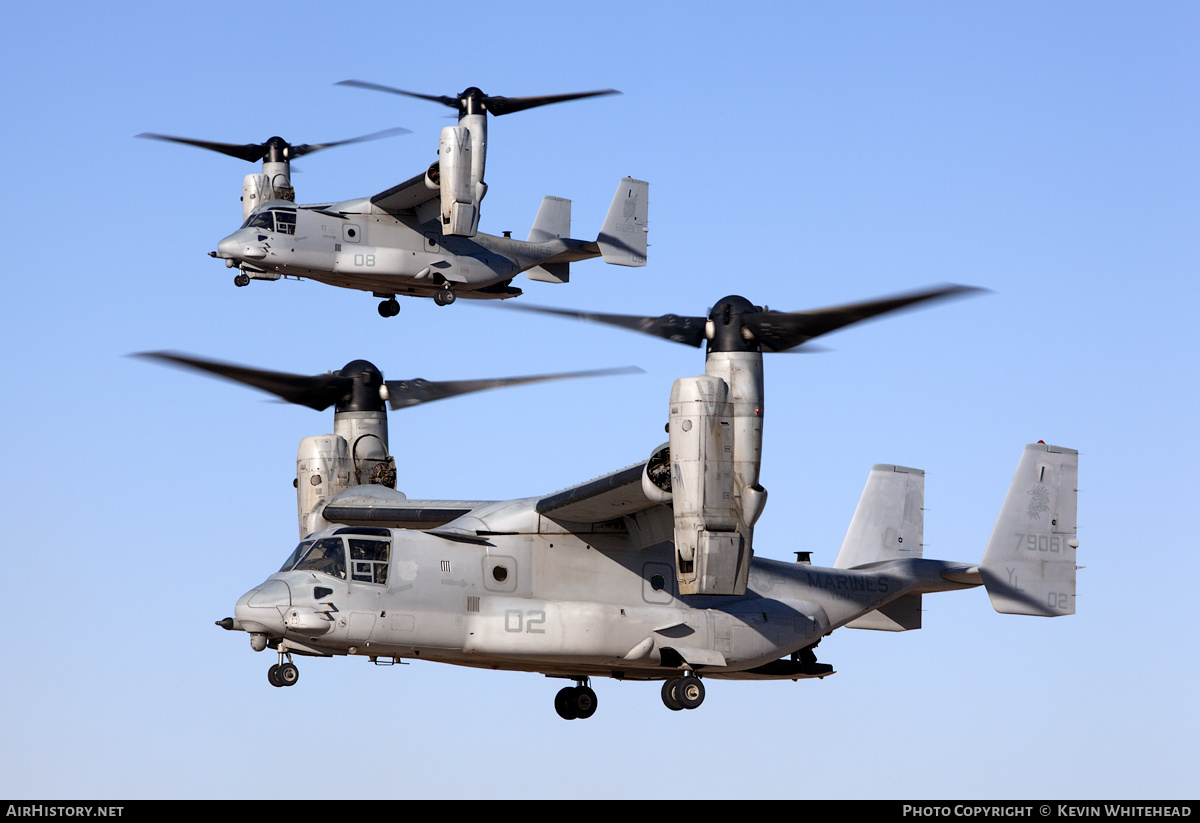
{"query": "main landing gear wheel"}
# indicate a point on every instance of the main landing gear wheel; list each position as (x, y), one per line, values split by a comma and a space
(389, 308)
(690, 692)
(444, 297)
(241, 280)
(683, 693)
(669, 697)
(575, 702)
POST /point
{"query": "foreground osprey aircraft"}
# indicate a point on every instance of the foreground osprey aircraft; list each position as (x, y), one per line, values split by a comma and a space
(419, 238)
(647, 573)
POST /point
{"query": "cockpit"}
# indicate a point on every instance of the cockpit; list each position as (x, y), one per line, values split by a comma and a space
(276, 218)
(363, 552)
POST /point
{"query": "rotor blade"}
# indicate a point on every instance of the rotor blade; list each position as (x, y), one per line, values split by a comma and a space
(404, 393)
(686, 330)
(300, 151)
(247, 151)
(452, 102)
(318, 392)
(508, 105)
(780, 331)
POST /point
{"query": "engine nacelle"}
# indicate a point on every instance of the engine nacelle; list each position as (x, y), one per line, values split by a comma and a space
(323, 470)
(712, 540)
(460, 177)
(259, 188)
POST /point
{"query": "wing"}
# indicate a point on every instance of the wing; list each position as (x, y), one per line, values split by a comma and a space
(381, 506)
(406, 197)
(608, 497)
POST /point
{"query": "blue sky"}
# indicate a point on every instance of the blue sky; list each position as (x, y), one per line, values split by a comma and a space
(800, 154)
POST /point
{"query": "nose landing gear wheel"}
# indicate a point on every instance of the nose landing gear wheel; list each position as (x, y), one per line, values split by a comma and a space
(242, 279)
(389, 308)
(444, 297)
(283, 674)
(288, 674)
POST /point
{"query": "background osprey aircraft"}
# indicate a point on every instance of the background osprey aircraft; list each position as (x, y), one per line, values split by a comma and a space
(647, 573)
(419, 238)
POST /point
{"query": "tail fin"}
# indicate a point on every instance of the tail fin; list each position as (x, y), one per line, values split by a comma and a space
(622, 239)
(553, 222)
(1029, 564)
(889, 521)
(888, 524)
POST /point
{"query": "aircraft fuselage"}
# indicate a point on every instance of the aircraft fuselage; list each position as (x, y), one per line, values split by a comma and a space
(562, 603)
(357, 245)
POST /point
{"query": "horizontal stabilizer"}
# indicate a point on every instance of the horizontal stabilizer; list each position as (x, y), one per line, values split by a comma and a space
(889, 521)
(622, 240)
(1029, 564)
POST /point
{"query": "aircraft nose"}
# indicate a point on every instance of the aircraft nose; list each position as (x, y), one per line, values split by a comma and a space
(261, 610)
(241, 245)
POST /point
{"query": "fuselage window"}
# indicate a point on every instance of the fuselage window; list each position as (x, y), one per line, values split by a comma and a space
(326, 556)
(369, 560)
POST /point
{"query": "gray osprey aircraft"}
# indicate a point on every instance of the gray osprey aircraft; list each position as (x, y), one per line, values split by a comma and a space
(419, 238)
(647, 573)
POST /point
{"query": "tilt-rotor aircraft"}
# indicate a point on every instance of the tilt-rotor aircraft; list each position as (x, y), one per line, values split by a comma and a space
(648, 573)
(419, 238)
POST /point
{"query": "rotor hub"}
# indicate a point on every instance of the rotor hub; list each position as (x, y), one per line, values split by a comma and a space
(363, 395)
(725, 330)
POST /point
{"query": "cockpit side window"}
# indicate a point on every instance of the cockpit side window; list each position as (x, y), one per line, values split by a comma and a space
(369, 560)
(325, 555)
(262, 220)
(285, 221)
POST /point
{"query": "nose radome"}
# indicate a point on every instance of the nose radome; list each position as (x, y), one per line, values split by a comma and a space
(261, 610)
(241, 245)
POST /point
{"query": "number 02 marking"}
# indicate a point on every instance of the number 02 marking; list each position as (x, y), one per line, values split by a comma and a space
(515, 621)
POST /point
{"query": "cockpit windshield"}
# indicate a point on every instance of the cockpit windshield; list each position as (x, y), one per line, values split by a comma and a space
(260, 220)
(368, 557)
(282, 220)
(326, 555)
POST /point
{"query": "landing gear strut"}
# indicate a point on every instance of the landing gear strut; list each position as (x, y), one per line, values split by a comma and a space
(576, 702)
(389, 308)
(444, 296)
(283, 674)
(680, 693)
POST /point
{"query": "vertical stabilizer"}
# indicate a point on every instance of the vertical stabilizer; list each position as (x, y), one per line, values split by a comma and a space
(889, 521)
(553, 222)
(622, 240)
(1029, 564)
